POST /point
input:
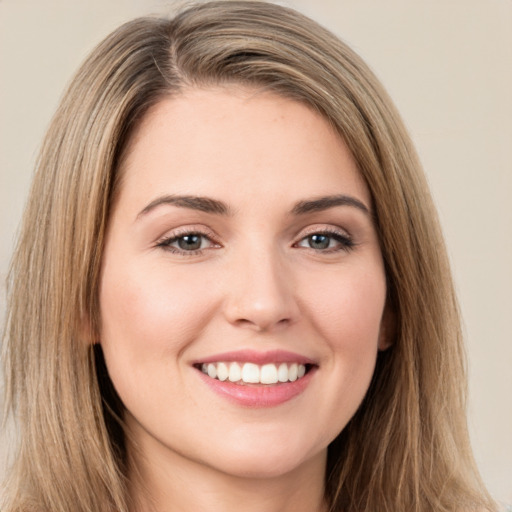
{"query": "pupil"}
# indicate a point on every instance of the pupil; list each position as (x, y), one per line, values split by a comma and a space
(319, 241)
(190, 242)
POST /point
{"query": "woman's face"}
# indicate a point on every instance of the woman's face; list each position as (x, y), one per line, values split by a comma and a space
(243, 289)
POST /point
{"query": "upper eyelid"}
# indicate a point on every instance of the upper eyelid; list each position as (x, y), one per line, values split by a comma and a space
(326, 228)
(209, 233)
(188, 230)
(167, 242)
(202, 230)
(344, 236)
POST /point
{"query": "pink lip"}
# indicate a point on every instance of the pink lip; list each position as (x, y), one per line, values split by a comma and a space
(253, 356)
(258, 395)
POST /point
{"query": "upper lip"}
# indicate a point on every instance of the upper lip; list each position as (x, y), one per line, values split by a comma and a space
(257, 357)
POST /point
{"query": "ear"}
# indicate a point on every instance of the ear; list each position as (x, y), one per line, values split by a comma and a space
(387, 331)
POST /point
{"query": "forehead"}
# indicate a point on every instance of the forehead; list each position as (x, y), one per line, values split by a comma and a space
(237, 141)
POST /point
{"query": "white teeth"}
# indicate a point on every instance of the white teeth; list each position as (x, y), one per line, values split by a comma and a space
(235, 372)
(292, 372)
(212, 371)
(268, 374)
(222, 371)
(282, 373)
(250, 373)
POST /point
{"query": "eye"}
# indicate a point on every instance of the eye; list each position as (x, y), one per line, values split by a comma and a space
(326, 241)
(187, 243)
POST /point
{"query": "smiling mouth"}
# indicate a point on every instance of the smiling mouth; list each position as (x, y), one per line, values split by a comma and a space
(251, 373)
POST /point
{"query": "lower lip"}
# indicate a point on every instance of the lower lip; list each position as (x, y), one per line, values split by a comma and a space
(254, 395)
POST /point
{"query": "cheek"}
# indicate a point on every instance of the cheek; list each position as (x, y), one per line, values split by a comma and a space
(148, 314)
(148, 319)
(348, 309)
(347, 316)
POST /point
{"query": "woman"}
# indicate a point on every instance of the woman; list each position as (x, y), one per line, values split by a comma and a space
(230, 287)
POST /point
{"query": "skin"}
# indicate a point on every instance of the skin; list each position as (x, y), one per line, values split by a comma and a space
(256, 283)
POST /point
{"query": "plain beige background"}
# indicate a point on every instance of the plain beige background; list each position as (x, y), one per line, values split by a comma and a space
(448, 66)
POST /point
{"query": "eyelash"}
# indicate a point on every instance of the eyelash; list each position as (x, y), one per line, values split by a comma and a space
(166, 242)
(346, 243)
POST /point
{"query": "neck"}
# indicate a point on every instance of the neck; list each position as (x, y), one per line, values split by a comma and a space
(186, 486)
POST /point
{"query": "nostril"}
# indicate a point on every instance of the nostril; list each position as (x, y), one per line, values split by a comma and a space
(262, 324)
(241, 322)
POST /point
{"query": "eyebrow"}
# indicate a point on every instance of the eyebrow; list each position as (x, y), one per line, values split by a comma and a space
(203, 204)
(210, 205)
(324, 203)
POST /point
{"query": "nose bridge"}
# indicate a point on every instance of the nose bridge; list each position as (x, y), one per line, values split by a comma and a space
(260, 291)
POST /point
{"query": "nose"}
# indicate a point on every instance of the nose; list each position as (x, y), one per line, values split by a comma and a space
(260, 292)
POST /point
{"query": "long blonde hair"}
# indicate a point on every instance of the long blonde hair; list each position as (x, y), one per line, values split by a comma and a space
(407, 447)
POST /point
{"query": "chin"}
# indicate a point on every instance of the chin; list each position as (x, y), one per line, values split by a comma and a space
(265, 461)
